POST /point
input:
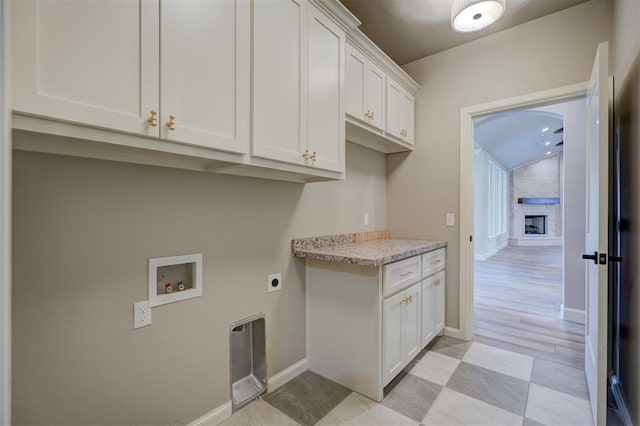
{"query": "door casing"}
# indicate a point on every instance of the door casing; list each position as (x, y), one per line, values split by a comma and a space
(467, 115)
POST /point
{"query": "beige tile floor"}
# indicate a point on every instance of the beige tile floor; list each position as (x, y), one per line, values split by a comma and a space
(450, 383)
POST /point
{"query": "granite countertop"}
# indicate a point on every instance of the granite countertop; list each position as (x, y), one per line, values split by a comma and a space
(374, 253)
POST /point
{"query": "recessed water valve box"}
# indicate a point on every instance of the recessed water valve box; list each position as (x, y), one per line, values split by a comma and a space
(174, 278)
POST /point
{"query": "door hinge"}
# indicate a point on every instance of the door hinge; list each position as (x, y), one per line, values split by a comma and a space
(470, 238)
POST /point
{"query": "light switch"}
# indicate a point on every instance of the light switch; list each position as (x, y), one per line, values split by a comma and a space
(451, 219)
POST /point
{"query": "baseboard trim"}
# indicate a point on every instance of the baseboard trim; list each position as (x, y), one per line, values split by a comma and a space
(215, 416)
(279, 379)
(490, 253)
(224, 411)
(453, 332)
(573, 315)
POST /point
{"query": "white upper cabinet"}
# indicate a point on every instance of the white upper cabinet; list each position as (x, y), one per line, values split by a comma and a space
(400, 112)
(181, 75)
(298, 85)
(394, 107)
(88, 62)
(407, 117)
(325, 121)
(375, 82)
(380, 98)
(247, 87)
(365, 86)
(279, 86)
(205, 73)
(355, 84)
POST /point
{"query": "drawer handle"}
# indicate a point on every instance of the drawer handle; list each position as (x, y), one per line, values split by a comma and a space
(435, 262)
(405, 273)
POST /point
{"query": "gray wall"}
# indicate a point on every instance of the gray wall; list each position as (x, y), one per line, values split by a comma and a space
(549, 52)
(83, 232)
(574, 192)
(626, 69)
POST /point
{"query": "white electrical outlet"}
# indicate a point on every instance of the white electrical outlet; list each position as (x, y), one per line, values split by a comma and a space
(451, 219)
(141, 314)
(274, 282)
(366, 219)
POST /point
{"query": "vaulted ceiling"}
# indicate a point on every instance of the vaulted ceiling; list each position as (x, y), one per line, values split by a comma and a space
(411, 29)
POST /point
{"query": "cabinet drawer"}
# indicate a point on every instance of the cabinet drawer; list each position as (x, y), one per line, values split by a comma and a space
(400, 275)
(433, 262)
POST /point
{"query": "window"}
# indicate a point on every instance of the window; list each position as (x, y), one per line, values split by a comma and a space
(497, 197)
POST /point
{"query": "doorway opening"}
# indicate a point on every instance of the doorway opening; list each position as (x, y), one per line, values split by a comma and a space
(522, 280)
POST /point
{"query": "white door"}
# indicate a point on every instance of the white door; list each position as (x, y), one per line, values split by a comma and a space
(407, 114)
(325, 125)
(89, 62)
(596, 244)
(429, 311)
(412, 325)
(205, 73)
(279, 80)
(355, 84)
(393, 107)
(375, 81)
(393, 336)
(439, 283)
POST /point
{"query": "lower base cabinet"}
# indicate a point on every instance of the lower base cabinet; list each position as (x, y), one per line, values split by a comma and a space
(402, 337)
(432, 307)
(360, 333)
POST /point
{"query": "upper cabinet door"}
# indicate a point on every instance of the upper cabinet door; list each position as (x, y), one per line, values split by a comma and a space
(326, 131)
(408, 116)
(279, 79)
(205, 73)
(70, 63)
(375, 80)
(394, 107)
(355, 84)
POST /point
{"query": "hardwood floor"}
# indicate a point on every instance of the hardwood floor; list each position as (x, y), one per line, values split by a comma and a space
(518, 293)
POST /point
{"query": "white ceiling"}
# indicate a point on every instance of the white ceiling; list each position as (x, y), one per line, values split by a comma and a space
(516, 138)
(411, 29)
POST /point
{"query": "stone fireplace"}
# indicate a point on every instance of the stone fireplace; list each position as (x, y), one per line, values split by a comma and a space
(535, 210)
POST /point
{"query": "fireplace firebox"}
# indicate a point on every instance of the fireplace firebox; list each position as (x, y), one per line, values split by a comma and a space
(535, 225)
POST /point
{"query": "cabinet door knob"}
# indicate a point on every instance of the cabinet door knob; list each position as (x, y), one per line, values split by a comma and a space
(171, 124)
(314, 156)
(152, 120)
(305, 154)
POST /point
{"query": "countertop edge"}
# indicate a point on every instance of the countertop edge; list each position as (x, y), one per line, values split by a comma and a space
(336, 258)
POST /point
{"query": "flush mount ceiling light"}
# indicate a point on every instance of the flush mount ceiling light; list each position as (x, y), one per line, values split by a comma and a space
(473, 15)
